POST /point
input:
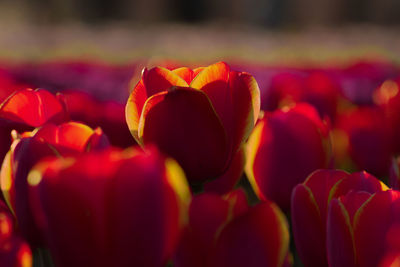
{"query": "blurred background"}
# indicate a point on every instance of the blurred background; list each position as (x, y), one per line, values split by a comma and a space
(261, 31)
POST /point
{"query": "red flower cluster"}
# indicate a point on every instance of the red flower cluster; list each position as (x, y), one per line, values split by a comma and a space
(191, 173)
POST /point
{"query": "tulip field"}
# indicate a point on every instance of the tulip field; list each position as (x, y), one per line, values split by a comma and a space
(199, 165)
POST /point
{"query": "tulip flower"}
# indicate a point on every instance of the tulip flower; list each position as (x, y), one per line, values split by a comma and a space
(310, 201)
(260, 237)
(225, 231)
(200, 117)
(27, 109)
(367, 139)
(208, 213)
(50, 140)
(357, 226)
(110, 208)
(284, 148)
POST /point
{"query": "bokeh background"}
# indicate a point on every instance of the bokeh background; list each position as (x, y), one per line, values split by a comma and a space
(269, 31)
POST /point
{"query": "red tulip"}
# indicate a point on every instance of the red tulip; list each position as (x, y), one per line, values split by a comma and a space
(387, 96)
(225, 231)
(367, 139)
(27, 109)
(309, 208)
(260, 237)
(208, 214)
(200, 117)
(110, 208)
(317, 88)
(357, 226)
(66, 139)
(284, 148)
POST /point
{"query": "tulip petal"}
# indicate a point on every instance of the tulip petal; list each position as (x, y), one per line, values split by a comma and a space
(33, 107)
(159, 79)
(252, 148)
(183, 124)
(308, 227)
(156, 218)
(207, 78)
(371, 223)
(185, 73)
(25, 153)
(340, 242)
(153, 81)
(208, 213)
(214, 82)
(320, 183)
(360, 181)
(67, 137)
(245, 105)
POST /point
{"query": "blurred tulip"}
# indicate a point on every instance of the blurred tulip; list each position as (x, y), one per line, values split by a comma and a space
(50, 140)
(200, 117)
(14, 252)
(284, 148)
(109, 115)
(357, 226)
(225, 231)
(367, 139)
(317, 88)
(309, 208)
(208, 214)
(110, 208)
(387, 97)
(260, 237)
(27, 109)
(103, 80)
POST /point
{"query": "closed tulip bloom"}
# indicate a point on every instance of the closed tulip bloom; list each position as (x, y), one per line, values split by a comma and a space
(310, 201)
(110, 208)
(200, 117)
(284, 148)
